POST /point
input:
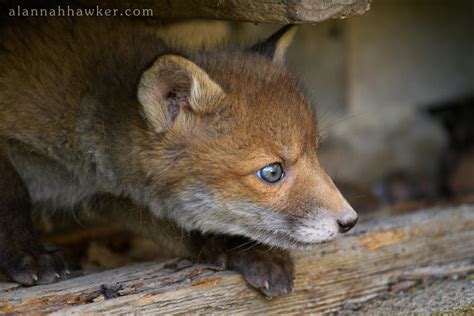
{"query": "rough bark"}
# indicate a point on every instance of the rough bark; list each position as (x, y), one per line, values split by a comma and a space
(381, 255)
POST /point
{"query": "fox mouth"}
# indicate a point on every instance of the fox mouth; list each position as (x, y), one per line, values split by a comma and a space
(262, 225)
(292, 233)
(287, 241)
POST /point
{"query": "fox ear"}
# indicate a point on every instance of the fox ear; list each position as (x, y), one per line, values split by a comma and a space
(174, 84)
(276, 45)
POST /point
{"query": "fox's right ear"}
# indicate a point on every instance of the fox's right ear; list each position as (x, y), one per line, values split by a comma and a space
(174, 84)
(276, 45)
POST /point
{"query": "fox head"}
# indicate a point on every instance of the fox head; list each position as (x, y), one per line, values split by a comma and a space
(236, 148)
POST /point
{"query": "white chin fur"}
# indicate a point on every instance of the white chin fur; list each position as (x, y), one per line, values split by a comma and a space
(316, 230)
(306, 235)
(204, 213)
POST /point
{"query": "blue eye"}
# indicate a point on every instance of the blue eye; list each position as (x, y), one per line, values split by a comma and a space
(271, 173)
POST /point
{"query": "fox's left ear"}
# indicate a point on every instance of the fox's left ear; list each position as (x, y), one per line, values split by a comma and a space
(276, 45)
(174, 86)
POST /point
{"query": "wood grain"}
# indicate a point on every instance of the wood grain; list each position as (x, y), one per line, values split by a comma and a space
(356, 268)
(268, 11)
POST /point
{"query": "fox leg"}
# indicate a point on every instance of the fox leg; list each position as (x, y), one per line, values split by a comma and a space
(22, 256)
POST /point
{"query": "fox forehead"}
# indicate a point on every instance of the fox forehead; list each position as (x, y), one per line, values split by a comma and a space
(265, 108)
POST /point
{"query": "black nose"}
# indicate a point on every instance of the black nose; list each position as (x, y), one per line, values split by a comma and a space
(346, 225)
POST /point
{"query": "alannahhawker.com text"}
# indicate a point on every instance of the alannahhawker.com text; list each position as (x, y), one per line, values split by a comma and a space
(71, 11)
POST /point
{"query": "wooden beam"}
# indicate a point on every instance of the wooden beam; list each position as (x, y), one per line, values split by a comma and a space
(354, 269)
(265, 11)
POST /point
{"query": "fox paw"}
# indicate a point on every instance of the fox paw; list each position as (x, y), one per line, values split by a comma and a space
(271, 272)
(36, 267)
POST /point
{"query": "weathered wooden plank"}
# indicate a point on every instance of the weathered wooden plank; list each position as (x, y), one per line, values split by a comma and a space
(269, 11)
(353, 269)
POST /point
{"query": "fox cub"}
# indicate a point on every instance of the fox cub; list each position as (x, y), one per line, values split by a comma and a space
(223, 144)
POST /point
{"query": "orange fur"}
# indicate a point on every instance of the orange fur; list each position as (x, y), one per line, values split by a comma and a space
(68, 98)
